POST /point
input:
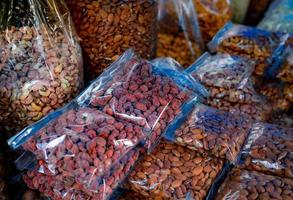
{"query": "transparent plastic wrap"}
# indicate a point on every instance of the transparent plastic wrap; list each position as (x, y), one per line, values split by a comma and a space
(228, 79)
(174, 172)
(259, 45)
(279, 17)
(286, 71)
(212, 132)
(212, 16)
(269, 149)
(40, 61)
(179, 35)
(242, 184)
(108, 28)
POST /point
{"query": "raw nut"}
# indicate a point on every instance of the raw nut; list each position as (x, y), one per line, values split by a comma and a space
(242, 184)
(269, 150)
(165, 179)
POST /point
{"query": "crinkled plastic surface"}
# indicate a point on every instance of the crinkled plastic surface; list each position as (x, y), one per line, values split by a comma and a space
(260, 45)
(174, 172)
(286, 71)
(242, 184)
(40, 61)
(228, 80)
(279, 17)
(179, 35)
(212, 15)
(212, 132)
(269, 149)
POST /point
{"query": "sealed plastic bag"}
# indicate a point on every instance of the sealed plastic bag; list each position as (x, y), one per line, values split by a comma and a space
(108, 28)
(269, 149)
(212, 16)
(212, 132)
(242, 184)
(228, 79)
(286, 71)
(279, 17)
(178, 31)
(174, 172)
(259, 45)
(40, 62)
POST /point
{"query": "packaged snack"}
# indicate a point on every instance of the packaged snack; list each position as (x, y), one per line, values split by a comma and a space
(40, 62)
(256, 44)
(212, 132)
(269, 150)
(108, 28)
(228, 79)
(242, 184)
(174, 172)
(178, 31)
(212, 16)
(286, 72)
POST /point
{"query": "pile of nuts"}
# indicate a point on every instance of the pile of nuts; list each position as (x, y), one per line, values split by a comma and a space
(212, 15)
(212, 132)
(242, 184)
(40, 72)
(108, 28)
(269, 149)
(174, 172)
(228, 80)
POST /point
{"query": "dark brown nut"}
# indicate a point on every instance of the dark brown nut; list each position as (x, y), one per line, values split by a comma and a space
(227, 78)
(213, 132)
(41, 71)
(212, 15)
(269, 149)
(107, 29)
(174, 172)
(251, 185)
(82, 145)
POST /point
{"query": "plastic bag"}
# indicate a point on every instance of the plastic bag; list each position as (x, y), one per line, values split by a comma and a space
(40, 62)
(279, 17)
(286, 72)
(212, 132)
(227, 78)
(212, 16)
(174, 172)
(282, 119)
(108, 28)
(242, 184)
(259, 45)
(269, 149)
(178, 31)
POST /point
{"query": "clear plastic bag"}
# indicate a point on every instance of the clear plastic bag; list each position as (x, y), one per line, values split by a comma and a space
(178, 31)
(228, 80)
(279, 17)
(212, 16)
(108, 28)
(174, 172)
(269, 150)
(286, 71)
(242, 184)
(256, 44)
(40, 61)
(212, 132)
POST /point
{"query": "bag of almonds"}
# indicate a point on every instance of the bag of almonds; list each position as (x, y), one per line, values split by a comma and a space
(256, 44)
(179, 35)
(228, 80)
(242, 184)
(40, 62)
(212, 132)
(212, 16)
(269, 149)
(174, 172)
(108, 28)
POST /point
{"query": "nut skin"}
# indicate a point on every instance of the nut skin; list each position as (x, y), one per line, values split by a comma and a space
(213, 132)
(269, 150)
(107, 29)
(30, 84)
(166, 173)
(251, 185)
